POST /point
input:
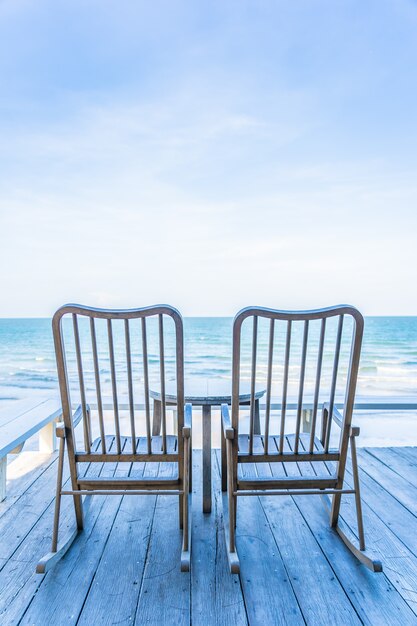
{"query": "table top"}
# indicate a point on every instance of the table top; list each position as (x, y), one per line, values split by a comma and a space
(208, 392)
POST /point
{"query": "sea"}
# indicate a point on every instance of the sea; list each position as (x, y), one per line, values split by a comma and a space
(388, 360)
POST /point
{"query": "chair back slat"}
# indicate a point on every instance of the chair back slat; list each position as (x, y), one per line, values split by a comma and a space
(130, 386)
(162, 373)
(334, 381)
(354, 359)
(146, 384)
(179, 369)
(317, 385)
(98, 385)
(113, 363)
(87, 436)
(316, 370)
(114, 387)
(285, 386)
(301, 387)
(269, 383)
(253, 382)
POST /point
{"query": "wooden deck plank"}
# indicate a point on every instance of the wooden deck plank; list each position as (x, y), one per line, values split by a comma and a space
(407, 452)
(214, 592)
(397, 463)
(295, 569)
(165, 593)
(165, 590)
(339, 566)
(22, 472)
(397, 485)
(400, 520)
(20, 568)
(75, 571)
(29, 508)
(305, 563)
(262, 567)
(114, 591)
(400, 564)
(375, 600)
(18, 580)
(262, 570)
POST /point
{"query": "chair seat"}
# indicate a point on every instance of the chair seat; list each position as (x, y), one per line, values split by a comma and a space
(272, 471)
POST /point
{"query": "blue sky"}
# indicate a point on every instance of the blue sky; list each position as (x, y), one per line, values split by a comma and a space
(210, 155)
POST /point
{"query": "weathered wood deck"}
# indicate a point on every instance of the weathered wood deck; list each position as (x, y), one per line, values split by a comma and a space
(125, 567)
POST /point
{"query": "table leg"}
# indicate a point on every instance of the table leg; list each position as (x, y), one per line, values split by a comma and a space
(224, 459)
(257, 420)
(206, 458)
(157, 417)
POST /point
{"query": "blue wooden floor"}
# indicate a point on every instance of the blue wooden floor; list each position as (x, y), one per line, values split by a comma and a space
(125, 566)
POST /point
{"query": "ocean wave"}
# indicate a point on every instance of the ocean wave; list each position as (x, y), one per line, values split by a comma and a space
(368, 369)
(388, 364)
(30, 384)
(35, 376)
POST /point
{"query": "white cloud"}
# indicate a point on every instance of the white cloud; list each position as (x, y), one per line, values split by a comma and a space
(227, 167)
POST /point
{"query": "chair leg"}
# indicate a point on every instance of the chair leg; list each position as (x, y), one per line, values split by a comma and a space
(229, 515)
(357, 493)
(58, 495)
(157, 417)
(335, 510)
(58, 551)
(79, 516)
(342, 529)
(190, 479)
(186, 537)
(234, 510)
(181, 511)
(257, 419)
(223, 461)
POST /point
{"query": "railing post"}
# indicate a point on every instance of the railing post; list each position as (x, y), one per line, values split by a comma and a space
(3, 469)
(174, 422)
(306, 420)
(47, 438)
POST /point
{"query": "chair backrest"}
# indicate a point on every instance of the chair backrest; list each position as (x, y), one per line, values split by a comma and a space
(112, 359)
(301, 358)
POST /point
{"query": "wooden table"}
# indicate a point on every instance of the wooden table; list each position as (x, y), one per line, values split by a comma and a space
(205, 394)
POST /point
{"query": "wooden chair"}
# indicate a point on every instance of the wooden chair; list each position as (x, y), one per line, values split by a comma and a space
(125, 350)
(307, 352)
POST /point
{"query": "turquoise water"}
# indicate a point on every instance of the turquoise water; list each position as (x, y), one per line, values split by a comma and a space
(388, 364)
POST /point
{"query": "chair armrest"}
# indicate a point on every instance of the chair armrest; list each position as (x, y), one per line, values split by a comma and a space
(76, 419)
(188, 418)
(227, 427)
(60, 430)
(77, 415)
(355, 431)
(338, 418)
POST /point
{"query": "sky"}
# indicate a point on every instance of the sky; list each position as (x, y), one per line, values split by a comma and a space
(209, 155)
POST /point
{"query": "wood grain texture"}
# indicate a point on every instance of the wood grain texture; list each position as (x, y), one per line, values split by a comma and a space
(214, 592)
(292, 563)
(75, 571)
(398, 486)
